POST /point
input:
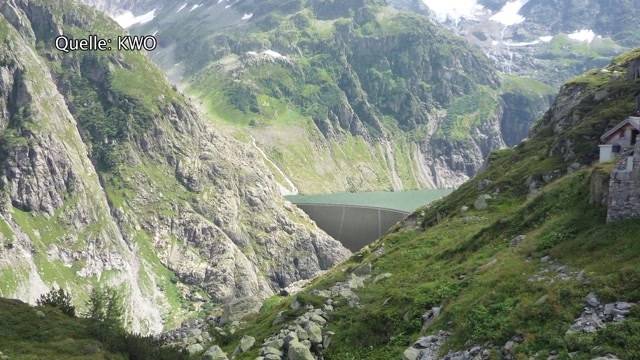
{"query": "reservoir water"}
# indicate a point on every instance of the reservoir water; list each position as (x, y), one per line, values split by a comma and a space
(357, 219)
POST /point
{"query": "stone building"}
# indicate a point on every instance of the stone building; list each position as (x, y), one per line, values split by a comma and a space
(620, 140)
(622, 143)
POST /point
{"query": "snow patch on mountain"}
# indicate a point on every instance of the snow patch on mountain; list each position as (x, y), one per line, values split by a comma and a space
(454, 10)
(127, 19)
(584, 35)
(509, 15)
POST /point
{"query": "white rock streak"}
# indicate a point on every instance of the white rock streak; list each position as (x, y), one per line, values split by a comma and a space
(291, 188)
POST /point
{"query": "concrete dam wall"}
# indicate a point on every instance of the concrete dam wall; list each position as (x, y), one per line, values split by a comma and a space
(354, 226)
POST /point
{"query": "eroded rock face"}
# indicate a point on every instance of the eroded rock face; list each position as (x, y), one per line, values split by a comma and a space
(178, 208)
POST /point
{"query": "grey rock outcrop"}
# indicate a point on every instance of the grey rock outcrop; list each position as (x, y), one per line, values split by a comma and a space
(305, 337)
(426, 348)
(214, 353)
(481, 202)
(517, 240)
(194, 349)
(430, 316)
(180, 208)
(596, 315)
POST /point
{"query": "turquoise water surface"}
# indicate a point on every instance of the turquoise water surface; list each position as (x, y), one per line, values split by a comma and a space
(404, 200)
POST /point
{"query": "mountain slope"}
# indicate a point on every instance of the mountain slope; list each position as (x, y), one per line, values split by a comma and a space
(548, 40)
(517, 263)
(109, 177)
(341, 96)
(46, 332)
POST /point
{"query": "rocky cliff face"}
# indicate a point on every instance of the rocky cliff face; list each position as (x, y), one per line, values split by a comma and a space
(109, 177)
(370, 91)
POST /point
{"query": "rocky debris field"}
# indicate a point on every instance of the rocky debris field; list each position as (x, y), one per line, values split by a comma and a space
(428, 348)
(191, 333)
(596, 315)
(305, 338)
(552, 271)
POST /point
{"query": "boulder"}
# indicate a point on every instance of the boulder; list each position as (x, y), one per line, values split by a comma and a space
(194, 349)
(592, 300)
(318, 319)
(290, 337)
(295, 305)
(298, 351)
(214, 353)
(382, 277)
(411, 354)
(430, 316)
(246, 343)
(481, 202)
(315, 333)
(426, 342)
(302, 333)
(266, 351)
(326, 339)
(606, 357)
(275, 343)
(363, 270)
(517, 240)
(484, 184)
(355, 282)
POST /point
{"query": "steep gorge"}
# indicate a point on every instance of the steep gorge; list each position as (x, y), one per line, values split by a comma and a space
(341, 96)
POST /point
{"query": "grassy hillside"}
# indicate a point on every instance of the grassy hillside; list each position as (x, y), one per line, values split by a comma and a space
(31, 333)
(518, 269)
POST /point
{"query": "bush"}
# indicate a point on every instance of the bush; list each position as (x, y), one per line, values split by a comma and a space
(105, 309)
(144, 347)
(59, 299)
